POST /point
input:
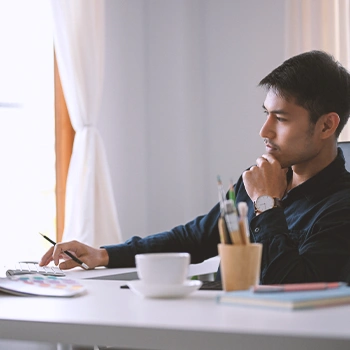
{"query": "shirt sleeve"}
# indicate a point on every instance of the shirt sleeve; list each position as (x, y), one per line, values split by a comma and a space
(199, 237)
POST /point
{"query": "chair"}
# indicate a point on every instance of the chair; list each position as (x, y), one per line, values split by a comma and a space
(345, 146)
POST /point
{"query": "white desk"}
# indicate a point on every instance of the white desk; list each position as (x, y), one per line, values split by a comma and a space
(110, 316)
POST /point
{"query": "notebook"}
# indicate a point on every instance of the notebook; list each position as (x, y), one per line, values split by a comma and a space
(40, 285)
(288, 300)
(211, 285)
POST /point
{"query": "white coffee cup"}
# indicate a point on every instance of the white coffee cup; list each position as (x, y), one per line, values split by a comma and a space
(162, 268)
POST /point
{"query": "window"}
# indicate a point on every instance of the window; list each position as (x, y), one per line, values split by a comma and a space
(27, 139)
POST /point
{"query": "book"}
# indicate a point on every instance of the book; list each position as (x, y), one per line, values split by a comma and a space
(288, 300)
(40, 285)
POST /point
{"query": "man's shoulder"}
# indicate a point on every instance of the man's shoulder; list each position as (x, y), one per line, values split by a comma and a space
(341, 183)
(338, 193)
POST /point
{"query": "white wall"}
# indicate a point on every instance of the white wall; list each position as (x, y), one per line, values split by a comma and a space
(181, 103)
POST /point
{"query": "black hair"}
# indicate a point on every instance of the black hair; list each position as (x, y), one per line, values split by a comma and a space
(316, 82)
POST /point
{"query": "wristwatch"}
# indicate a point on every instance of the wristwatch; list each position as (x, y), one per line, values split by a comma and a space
(266, 202)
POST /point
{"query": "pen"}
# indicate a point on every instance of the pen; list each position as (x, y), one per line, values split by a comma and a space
(73, 257)
(231, 192)
(296, 287)
(232, 221)
(243, 221)
(224, 235)
(230, 215)
(222, 195)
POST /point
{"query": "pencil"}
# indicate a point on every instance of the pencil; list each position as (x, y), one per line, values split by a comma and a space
(224, 236)
(73, 257)
(222, 195)
(296, 287)
(232, 221)
(243, 222)
(231, 192)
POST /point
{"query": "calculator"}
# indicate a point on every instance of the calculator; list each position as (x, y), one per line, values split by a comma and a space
(30, 267)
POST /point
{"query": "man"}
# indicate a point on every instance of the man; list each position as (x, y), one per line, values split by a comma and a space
(298, 193)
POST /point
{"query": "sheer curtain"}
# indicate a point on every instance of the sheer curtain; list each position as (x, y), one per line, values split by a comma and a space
(322, 25)
(91, 215)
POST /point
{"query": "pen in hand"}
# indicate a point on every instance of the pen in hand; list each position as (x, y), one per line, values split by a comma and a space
(73, 257)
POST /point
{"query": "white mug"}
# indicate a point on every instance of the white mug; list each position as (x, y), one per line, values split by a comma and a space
(162, 268)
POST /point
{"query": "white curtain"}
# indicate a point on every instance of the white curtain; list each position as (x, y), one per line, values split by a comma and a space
(79, 37)
(319, 25)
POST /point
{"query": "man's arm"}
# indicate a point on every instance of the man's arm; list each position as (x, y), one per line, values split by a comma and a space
(199, 237)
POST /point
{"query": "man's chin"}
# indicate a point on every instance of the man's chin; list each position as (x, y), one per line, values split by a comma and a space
(284, 164)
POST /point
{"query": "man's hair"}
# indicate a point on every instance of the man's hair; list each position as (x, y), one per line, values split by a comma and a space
(316, 82)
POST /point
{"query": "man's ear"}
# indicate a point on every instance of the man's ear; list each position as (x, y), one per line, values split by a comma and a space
(328, 124)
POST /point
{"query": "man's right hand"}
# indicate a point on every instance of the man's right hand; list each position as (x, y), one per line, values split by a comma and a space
(265, 178)
(92, 257)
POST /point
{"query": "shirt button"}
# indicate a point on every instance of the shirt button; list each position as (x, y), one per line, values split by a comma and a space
(257, 229)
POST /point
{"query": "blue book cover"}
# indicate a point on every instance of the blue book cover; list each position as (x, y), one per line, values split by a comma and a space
(288, 300)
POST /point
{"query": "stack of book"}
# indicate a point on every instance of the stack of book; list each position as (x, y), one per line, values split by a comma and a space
(290, 297)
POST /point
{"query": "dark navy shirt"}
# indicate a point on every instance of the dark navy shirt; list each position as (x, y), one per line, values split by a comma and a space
(307, 240)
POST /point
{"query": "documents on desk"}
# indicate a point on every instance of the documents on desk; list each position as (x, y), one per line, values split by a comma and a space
(40, 285)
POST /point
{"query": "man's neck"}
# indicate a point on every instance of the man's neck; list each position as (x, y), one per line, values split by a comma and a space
(303, 172)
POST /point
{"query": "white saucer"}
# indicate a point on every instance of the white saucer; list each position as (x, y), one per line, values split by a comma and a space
(164, 290)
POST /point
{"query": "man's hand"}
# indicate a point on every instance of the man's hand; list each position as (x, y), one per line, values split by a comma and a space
(266, 178)
(92, 257)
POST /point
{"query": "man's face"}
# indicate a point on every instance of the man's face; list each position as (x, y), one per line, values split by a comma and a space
(289, 135)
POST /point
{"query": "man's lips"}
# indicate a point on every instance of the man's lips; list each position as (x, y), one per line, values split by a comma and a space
(271, 147)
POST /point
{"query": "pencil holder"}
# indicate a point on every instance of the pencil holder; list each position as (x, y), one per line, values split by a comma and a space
(240, 265)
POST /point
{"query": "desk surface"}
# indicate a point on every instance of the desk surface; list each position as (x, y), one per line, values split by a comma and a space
(111, 316)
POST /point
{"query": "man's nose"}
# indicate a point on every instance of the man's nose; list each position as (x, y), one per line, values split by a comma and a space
(267, 130)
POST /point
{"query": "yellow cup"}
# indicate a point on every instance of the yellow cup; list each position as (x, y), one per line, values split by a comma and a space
(240, 265)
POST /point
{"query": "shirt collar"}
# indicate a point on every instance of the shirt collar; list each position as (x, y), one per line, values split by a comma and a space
(321, 180)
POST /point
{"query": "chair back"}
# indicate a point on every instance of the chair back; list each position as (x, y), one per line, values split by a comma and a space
(345, 146)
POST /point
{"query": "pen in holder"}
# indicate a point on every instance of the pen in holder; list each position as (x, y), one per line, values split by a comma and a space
(241, 261)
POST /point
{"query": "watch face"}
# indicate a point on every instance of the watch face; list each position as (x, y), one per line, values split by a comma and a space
(264, 203)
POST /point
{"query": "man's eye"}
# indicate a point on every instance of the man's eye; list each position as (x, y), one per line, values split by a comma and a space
(280, 119)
